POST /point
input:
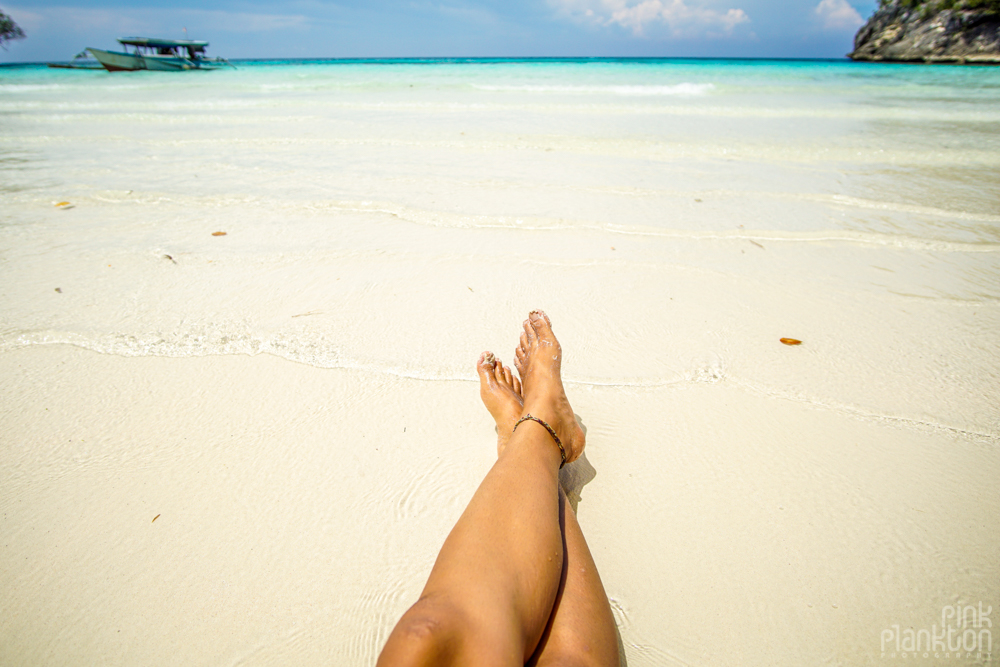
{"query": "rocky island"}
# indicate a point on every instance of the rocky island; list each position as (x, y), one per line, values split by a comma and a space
(931, 31)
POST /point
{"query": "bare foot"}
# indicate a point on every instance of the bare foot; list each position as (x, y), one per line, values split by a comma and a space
(501, 394)
(538, 360)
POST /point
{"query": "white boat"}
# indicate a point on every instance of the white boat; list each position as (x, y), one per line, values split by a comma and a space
(164, 55)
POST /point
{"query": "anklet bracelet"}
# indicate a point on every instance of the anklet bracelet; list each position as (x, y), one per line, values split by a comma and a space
(552, 432)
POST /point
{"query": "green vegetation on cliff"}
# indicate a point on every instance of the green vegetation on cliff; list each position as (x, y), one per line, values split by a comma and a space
(931, 6)
(931, 31)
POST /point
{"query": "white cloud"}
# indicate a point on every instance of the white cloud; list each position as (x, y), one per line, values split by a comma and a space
(838, 15)
(681, 20)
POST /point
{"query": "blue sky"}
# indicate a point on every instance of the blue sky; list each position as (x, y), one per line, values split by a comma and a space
(58, 29)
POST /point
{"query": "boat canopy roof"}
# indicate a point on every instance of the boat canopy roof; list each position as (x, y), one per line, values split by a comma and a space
(154, 43)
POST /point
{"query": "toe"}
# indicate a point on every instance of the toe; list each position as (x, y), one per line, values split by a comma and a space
(485, 367)
(517, 386)
(498, 371)
(540, 324)
(529, 337)
(537, 315)
(507, 376)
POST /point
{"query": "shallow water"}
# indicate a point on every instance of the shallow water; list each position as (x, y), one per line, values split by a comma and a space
(705, 207)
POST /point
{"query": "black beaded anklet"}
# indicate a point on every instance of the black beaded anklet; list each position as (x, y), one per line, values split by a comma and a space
(552, 432)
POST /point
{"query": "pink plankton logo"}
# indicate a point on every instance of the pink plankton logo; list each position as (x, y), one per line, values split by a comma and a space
(965, 633)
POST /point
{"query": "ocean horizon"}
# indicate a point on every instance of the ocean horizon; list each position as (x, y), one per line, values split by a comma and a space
(478, 59)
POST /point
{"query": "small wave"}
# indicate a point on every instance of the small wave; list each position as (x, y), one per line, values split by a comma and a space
(635, 90)
(895, 207)
(324, 354)
(31, 87)
(871, 239)
(714, 373)
(858, 412)
(441, 219)
(303, 349)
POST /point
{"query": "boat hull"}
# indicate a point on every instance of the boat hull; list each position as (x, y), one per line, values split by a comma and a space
(118, 62)
(115, 61)
(73, 66)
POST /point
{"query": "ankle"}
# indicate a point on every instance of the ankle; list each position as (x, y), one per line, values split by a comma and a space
(539, 431)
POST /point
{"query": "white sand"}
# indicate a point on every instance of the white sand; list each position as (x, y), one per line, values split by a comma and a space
(300, 510)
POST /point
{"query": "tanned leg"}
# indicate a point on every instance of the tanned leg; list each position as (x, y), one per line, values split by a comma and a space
(581, 628)
(490, 594)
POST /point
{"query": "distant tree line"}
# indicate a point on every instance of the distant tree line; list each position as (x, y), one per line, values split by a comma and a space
(9, 30)
(930, 6)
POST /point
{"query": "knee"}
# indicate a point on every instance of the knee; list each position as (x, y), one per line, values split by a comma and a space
(428, 633)
(429, 623)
